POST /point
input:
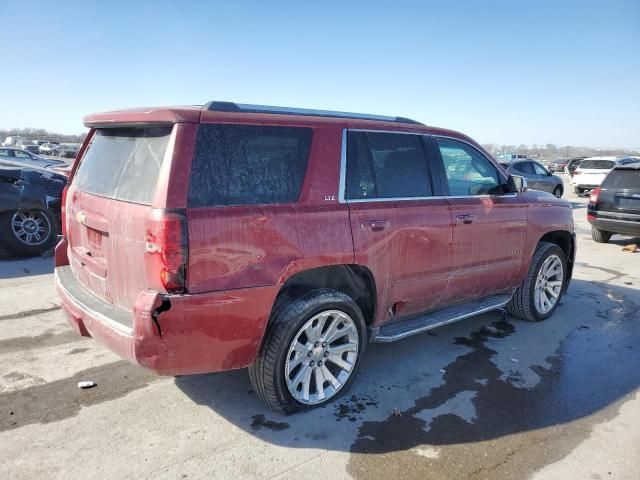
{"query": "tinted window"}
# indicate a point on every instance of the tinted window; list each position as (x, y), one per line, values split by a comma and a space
(468, 171)
(4, 152)
(386, 165)
(596, 164)
(123, 163)
(524, 167)
(623, 179)
(247, 164)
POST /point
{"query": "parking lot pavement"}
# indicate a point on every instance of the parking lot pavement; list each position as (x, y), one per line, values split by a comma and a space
(488, 397)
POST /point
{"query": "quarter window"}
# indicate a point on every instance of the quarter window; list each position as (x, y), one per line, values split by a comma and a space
(386, 165)
(468, 172)
(248, 164)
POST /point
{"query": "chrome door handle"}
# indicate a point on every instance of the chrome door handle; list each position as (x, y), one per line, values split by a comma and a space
(466, 219)
(374, 225)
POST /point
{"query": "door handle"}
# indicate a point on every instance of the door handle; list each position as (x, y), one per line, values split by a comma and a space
(466, 219)
(374, 225)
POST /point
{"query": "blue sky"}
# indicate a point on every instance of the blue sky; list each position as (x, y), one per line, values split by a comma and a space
(563, 72)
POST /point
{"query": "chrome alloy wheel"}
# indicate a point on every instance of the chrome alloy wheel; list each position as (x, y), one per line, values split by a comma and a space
(548, 284)
(31, 227)
(321, 357)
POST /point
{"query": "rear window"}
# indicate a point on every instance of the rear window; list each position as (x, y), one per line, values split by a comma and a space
(596, 164)
(623, 178)
(248, 164)
(123, 163)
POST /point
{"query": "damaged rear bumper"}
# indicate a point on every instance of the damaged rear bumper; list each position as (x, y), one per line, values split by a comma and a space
(173, 334)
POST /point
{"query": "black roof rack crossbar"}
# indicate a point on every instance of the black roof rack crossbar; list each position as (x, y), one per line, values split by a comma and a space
(216, 106)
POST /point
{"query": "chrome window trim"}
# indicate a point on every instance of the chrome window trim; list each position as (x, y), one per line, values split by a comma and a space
(343, 171)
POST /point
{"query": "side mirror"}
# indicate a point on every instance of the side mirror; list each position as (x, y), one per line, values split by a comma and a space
(517, 184)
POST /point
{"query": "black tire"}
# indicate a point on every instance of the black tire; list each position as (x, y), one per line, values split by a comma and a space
(557, 192)
(600, 236)
(14, 244)
(578, 191)
(267, 373)
(522, 304)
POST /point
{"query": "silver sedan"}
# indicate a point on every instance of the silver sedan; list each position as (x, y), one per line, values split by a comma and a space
(538, 177)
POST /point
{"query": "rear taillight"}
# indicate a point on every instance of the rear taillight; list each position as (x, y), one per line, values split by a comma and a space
(593, 197)
(166, 249)
(63, 211)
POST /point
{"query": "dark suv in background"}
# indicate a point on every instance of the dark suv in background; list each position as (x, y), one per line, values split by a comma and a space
(201, 239)
(614, 207)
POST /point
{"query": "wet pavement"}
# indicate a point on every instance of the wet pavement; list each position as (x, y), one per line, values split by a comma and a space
(489, 397)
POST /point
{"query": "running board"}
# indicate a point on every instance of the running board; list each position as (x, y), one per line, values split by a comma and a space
(411, 326)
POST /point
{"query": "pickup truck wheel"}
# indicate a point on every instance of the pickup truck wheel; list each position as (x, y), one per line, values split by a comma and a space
(311, 351)
(27, 232)
(539, 295)
(600, 236)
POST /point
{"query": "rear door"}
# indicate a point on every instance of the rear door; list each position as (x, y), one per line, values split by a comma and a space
(108, 204)
(593, 172)
(489, 228)
(401, 224)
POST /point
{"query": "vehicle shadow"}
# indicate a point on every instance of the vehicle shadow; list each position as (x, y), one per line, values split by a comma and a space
(16, 267)
(483, 378)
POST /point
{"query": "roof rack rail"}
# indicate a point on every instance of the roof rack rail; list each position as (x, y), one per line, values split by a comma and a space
(217, 106)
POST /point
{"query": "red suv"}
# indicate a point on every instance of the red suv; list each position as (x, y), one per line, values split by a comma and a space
(201, 239)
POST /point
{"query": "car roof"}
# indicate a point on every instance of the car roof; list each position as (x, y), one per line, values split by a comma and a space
(229, 112)
(634, 165)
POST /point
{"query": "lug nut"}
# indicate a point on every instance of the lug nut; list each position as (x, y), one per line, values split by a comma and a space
(312, 363)
(324, 344)
(319, 363)
(309, 354)
(317, 344)
(326, 354)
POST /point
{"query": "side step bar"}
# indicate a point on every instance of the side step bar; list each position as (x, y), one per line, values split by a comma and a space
(411, 326)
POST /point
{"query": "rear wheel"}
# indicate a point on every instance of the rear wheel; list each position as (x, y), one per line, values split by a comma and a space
(539, 295)
(600, 236)
(27, 232)
(579, 191)
(311, 351)
(557, 192)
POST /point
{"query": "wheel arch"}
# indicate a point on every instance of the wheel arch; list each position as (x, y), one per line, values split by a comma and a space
(353, 280)
(567, 242)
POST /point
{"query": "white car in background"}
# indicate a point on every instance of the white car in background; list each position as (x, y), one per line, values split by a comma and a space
(591, 172)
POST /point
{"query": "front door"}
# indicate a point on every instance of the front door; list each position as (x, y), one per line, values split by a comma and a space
(401, 230)
(489, 228)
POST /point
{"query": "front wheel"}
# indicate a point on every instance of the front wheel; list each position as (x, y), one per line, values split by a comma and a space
(539, 295)
(311, 351)
(28, 232)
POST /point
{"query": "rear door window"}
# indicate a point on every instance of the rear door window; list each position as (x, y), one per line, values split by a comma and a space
(468, 171)
(386, 165)
(524, 167)
(248, 164)
(623, 178)
(123, 163)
